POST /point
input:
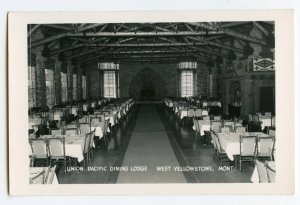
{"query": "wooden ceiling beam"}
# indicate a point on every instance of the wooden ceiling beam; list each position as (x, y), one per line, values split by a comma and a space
(144, 34)
(231, 24)
(230, 33)
(34, 28)
(261, 28)
(83, 53)
(144, 44)
(90, 26)
(55, 52)
(58, 26)
(58, 36)
(144, 52)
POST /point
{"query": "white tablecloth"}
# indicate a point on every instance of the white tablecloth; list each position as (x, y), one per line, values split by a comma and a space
(98, 127)
(183, 113)
(111, 119)
(230, 142)
(265, 121)
(85, 107)
(74, 145)
(203, 126)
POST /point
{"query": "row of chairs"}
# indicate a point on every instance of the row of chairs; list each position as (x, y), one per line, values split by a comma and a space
(251, 148)
(52, 150)
(221, 126)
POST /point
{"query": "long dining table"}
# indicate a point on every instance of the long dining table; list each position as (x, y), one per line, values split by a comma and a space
(99, 128)
(74, 145)
(204, 125)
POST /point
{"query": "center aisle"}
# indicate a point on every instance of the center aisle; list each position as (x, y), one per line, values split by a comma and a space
(149, 146)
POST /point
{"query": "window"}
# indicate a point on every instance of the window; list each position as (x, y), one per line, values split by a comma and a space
(83, 87)
(109, 79)
(74, 87)
(64, 87)
(187, 83)
(50, 89)
(31, 87)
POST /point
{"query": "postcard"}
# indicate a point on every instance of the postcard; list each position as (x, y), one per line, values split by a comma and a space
(151, 103)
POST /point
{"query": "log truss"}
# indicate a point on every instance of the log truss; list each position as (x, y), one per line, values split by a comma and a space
(202, 41)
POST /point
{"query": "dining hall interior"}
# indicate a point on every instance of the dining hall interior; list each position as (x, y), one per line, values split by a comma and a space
(153, 102)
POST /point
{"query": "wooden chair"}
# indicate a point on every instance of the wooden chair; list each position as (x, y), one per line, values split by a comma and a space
(197, 129)
(229, 128)
(250, 117)
(86, 147)
(225, 129)
(268, 114)
(221, 154)
(214, 143)
(38, 179)
(82, 120)
(56, 131)
(198, 113)
(206, 118)
(39, 151)
(256, 118)
(85, 128)
(240, 129)
(216, 128)
(272, 133)
(262, 172)
(94, 119)
(56, 147)
(217, 118)
(248, 148)
(72, 126)
(273, 122)
(50, 173)
(271, 174)
(71, 131)
(265, 147)
(190, 113)
(91, 147)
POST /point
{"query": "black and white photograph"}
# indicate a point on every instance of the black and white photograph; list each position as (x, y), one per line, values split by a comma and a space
(184, 102)
(152, 102)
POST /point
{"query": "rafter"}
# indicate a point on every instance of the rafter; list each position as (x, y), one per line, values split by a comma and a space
(261, 28)
(83, 53)
(65, 49)
(143, 44)
(231, 24)
(133, 58)
(144, 34)
(143, 52)
(230, 33)
(33, 29)
(58, 26)
(53, 38)
(90, 26)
